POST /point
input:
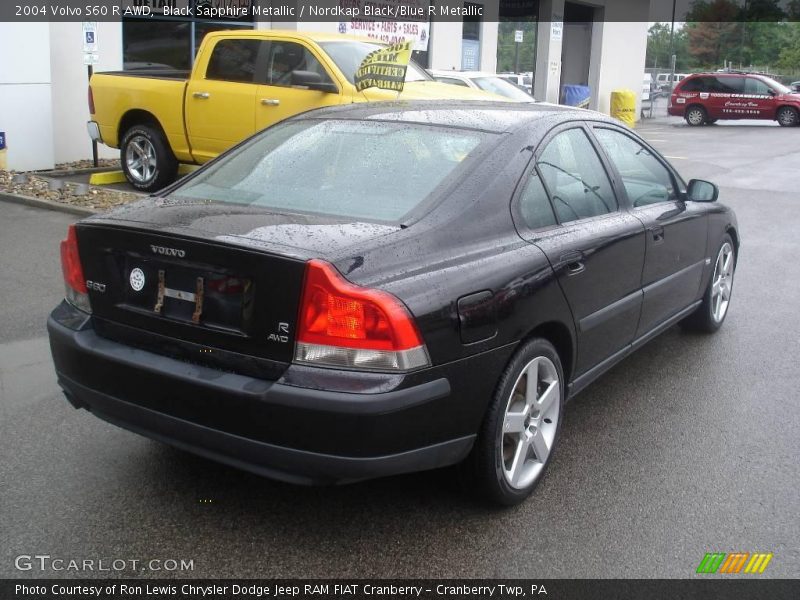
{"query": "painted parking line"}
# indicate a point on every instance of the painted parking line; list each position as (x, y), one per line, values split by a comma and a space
(676, 157)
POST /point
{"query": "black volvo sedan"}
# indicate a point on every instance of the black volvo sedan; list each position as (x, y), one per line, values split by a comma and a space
(383, 288)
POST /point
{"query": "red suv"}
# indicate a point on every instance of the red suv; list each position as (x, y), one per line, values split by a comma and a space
(704, 98)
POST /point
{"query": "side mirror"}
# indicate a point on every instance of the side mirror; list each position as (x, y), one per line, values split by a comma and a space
(796, 88)
(313, 81)
(702, 191)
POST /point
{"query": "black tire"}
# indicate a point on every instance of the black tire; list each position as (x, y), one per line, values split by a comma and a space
(703, 319)
(788, 117)
(159, 167)
(483, 471)
(711, 121)
(696, 115)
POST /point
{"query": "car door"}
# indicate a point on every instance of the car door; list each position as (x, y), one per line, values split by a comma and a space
(675, 232)
(277, 98)
(727, 100)
(760, 98)
(596, 250)
(220, 102)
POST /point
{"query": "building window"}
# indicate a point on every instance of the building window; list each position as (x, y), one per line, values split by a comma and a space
(172, 43)
(471, 39)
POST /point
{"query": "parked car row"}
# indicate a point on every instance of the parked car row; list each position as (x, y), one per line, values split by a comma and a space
(488, 82)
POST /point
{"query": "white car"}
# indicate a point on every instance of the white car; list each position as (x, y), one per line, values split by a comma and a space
(488, 82)
(523, 80)
(663, 79)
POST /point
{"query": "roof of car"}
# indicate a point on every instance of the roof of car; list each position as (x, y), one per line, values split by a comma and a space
(497, 117)
(316, 36)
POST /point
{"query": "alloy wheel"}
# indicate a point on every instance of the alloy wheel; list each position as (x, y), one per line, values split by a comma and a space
(530, 423)
(140, 158)
(722, 285)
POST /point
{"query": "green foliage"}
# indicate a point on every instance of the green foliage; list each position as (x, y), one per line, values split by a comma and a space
(755, 33)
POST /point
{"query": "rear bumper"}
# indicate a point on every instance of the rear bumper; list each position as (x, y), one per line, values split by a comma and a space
(94, 131)
(290, 433)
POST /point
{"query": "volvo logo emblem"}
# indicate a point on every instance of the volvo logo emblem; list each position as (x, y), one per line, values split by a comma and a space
(164, 251)
(137, 279)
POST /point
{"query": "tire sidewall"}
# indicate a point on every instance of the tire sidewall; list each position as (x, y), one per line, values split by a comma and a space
(498, 489)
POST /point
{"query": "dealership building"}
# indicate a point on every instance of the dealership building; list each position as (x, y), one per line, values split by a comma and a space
(43, 96)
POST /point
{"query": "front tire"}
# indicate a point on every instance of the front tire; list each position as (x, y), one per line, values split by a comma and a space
(711, 313)
(788, 117)
(147, 160)
(521, 427)
(696, 116)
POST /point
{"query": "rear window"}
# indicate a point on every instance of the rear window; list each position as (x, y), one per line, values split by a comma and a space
(356, 169)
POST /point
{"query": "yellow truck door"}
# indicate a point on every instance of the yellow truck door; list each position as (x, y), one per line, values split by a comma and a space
(283, 94)
(220, 97)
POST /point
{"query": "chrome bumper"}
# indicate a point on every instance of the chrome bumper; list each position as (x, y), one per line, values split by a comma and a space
(94, 131)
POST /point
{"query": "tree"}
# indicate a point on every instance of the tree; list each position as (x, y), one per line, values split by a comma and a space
(658, 54)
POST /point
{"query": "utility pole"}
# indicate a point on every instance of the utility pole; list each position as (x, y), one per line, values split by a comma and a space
(672, 49)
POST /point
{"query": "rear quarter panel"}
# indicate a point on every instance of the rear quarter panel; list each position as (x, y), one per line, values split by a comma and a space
(117, 95)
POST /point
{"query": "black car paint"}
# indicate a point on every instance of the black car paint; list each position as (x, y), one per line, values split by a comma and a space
(476, 280)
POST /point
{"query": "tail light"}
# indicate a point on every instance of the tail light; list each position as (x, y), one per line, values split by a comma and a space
(91, 101)
(348, 326)
(75, 284)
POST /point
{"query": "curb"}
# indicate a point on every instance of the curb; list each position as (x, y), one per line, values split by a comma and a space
(47, 204)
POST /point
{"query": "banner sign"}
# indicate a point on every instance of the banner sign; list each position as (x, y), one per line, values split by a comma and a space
(385, 68)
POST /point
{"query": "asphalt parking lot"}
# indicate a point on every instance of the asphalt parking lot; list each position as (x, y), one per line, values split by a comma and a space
(690, 446)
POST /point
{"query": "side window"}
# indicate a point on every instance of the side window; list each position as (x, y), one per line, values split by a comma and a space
(534, 204)
(291, 56)
(698, 84)
(646, 180)
(575, 177)
(451, 81)
(756, 87)
(234, 60)
(728, 85)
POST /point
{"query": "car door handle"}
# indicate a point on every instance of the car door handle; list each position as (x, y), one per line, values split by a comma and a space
(202, 95)
(573, 261)
(270, 102)
(658, 234)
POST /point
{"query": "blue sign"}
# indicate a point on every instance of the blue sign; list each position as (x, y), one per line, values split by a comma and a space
(90, 37)
(470, 55)
(2, 140)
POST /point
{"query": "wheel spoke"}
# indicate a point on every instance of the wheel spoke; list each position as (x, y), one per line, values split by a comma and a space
(520, 456)
(532, 384)
(727, 263)
(548, 398)
(515, 422)
(539, 445)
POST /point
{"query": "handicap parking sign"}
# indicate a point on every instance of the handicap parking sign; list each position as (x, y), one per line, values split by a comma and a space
(2, 140)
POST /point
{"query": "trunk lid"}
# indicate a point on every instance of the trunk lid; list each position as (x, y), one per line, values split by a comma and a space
(194, 298)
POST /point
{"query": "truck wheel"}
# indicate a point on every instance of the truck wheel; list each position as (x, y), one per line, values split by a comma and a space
(147, 160)
(696, 116)
(788, 117)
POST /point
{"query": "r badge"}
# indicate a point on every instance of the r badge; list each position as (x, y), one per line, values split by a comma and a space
(137, 279)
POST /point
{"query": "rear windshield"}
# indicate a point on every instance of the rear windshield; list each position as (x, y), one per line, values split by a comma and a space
(368, 170)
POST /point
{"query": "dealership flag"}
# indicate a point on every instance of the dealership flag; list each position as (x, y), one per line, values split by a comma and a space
(385, 68)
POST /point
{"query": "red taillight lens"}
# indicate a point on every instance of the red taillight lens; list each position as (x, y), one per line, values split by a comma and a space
(346, 325)
(91, 101)
(71, 262)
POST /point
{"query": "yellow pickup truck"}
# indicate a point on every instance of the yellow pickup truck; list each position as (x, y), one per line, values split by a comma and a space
(241, 83)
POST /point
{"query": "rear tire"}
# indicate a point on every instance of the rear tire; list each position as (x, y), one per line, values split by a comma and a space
(147, 160)
(788, 117)
(696, 116)
(521, 427)
(711, 313)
